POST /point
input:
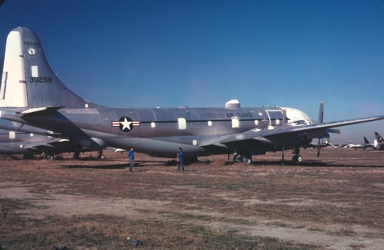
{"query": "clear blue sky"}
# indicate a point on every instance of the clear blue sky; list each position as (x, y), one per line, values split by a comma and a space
(168, 53)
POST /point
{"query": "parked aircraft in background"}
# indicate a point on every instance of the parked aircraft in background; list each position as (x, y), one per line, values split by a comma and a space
(379, 142)
(366, 144)
(323, 144)
(29, 141)
(339, 145)
(32, 94)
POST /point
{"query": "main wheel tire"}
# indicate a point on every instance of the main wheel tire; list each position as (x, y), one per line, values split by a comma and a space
(247, 160)
(299, 159)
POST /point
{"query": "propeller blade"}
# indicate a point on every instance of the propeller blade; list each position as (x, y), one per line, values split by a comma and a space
(321, 112)
(321, 117)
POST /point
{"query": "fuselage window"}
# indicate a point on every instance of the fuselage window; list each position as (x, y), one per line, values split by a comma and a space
(182, 123)
(34, 71)
(235, 122)
(12, 135)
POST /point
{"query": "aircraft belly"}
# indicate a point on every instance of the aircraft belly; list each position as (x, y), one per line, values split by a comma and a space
(244, 144)
(288, 140)
(10, 150)
(320, 133)
(158, 147)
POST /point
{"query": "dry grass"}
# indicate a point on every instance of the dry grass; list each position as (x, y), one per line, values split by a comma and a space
(213, 205)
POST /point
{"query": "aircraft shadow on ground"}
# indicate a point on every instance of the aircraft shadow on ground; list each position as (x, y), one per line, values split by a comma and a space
(313, 163)
(112, 166)
(120, 165)
(172, 163)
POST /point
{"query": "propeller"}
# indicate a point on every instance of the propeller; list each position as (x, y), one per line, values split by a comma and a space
(321, 117)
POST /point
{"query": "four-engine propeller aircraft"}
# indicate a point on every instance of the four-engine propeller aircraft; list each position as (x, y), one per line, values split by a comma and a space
(32, 94)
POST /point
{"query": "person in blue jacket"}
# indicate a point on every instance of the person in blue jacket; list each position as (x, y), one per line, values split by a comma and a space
(131, 156)
(180, 155)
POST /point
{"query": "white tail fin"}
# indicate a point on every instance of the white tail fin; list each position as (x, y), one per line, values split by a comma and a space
(13, 91)
(27, 79)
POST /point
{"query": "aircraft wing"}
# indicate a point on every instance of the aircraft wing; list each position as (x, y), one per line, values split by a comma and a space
(263, 135)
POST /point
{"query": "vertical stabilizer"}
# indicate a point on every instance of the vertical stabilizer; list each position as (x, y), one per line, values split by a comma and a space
(379, 138)
(13, 89)
(28, 80)
(366, 141)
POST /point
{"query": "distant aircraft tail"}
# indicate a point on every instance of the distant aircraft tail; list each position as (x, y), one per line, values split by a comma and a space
(366, 141)
(27, 79)
(379, 138)
(379, 142)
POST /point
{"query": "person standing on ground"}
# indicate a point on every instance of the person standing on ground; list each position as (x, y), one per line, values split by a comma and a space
(131, 156)
(180, 155)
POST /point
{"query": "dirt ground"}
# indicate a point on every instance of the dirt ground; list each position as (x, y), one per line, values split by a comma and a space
(332, 202)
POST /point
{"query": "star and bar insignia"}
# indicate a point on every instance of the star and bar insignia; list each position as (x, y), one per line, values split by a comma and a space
(126, 124)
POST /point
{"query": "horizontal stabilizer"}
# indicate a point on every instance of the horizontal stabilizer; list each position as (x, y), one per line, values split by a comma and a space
(65, 145)
(41, 110)
(34, 131)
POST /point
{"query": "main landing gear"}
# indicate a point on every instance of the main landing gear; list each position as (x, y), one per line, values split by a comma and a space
(100, 155)
(76, 154)
(48, 156)
(242, 158)
(297, 158)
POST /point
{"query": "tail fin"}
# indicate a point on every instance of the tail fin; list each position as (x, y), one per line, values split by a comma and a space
(379, 138)
(28, 80)
(366, 141)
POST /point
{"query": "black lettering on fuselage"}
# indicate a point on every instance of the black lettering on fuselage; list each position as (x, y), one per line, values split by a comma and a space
(211, 115)
(239, 114)
(31, 43)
